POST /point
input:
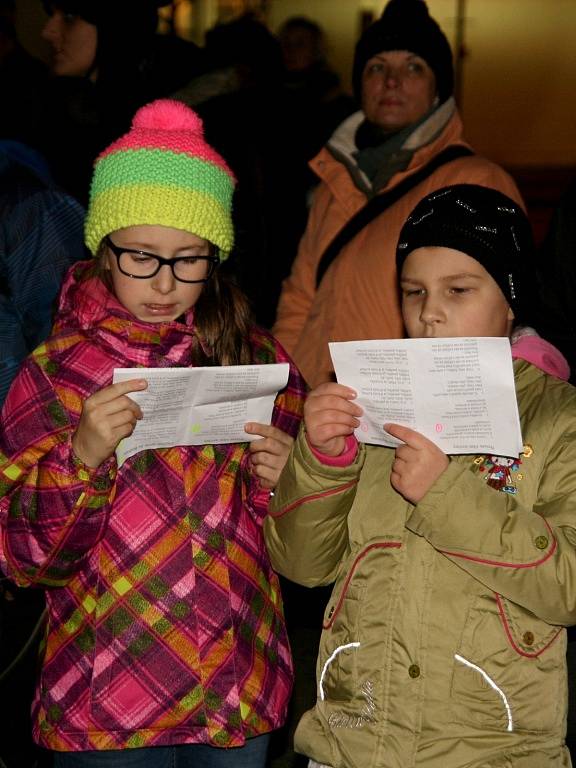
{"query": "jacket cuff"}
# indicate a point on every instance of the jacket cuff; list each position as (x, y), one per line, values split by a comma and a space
(100, 476)
(347, 457)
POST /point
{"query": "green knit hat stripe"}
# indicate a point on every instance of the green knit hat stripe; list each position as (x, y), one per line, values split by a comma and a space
(156, 204)
(161, 167)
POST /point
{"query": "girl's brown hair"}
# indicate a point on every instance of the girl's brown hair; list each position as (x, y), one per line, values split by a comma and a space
(223, 318)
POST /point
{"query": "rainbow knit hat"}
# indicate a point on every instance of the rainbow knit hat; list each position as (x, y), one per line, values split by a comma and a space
(162, 172)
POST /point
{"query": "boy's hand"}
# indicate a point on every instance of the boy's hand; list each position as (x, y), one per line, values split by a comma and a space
(418, 464)
(107, 417)
(268, 456)
(330, 416)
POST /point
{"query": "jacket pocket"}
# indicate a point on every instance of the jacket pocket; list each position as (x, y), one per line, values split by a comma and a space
(363, 586)
(509, 673)
(337, 667)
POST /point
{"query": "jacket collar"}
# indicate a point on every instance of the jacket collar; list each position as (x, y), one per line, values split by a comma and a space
(336, 167)
(87, 305)
(342, 144)
(529, 346)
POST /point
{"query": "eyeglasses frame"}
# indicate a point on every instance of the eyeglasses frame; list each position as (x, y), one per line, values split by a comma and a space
(118, 251)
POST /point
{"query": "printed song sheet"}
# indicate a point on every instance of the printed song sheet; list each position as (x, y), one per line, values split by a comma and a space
(457, 392)
(194, 406)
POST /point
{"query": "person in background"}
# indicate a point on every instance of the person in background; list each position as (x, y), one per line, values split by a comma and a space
(243, 88)
(41, 235)
(166, 644)
(443, 642)
(23, 81)
(403, 78)
(303, 47)
(317, 103)
(107, 60)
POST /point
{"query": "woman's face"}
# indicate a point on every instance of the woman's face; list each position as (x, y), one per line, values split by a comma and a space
(398, 88)
(446, 293)
(300, 48)
(74, 42)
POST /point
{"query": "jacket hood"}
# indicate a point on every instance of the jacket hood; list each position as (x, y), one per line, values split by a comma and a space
(88, 305)
(342, 141)
(343, 149)
(529, 346)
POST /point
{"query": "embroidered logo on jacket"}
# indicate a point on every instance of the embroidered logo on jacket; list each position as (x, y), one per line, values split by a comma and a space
(503, 472)
(359, 720)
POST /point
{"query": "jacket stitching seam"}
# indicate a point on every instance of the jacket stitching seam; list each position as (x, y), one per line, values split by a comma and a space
(383, 545)
(510, 637)
(313, 497)
(505, 564)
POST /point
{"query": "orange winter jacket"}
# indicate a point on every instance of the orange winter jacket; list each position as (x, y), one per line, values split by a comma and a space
(358, 296)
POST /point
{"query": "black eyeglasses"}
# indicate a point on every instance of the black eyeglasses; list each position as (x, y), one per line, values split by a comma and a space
(142, 265)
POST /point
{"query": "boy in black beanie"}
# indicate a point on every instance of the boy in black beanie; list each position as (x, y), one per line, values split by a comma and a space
(443, 643)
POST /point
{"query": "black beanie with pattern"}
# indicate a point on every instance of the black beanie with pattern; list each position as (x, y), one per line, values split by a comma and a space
(486, 225)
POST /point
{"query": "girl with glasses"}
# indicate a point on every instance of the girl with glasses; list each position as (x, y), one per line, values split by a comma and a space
(165, 643)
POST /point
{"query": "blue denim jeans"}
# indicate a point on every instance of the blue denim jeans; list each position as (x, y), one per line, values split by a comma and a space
(251, 755)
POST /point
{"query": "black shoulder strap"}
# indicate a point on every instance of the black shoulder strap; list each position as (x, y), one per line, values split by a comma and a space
(380, 203)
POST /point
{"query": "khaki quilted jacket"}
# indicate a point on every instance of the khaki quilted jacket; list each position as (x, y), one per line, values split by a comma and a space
(443, 643)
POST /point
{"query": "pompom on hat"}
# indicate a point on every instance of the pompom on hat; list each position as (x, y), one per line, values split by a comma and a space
(482, 223)
(406, 25)
(162, 172)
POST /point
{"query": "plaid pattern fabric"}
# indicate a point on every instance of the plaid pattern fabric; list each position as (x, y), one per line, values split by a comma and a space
(165, 617)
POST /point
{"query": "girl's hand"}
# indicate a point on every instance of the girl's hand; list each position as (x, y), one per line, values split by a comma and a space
(268, 456)
(418, 464)
(330, 416)
(107, 417)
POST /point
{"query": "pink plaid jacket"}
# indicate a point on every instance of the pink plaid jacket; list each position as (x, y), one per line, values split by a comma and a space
(165, 617)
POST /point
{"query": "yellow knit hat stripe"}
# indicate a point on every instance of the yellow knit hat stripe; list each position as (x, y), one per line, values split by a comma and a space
(185, 209)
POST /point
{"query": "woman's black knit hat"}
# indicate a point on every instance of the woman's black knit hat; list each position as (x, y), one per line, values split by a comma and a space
(484, 224)
(406, 25)
(130, 15)
(126, 31)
